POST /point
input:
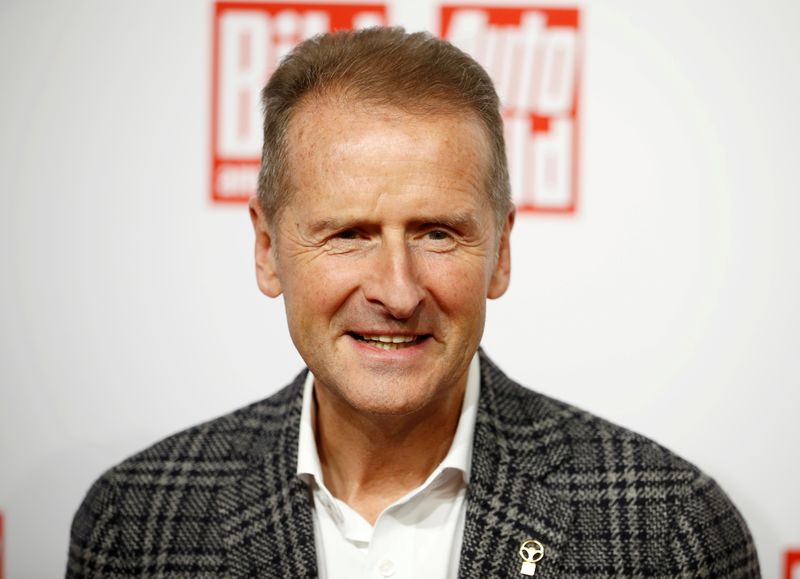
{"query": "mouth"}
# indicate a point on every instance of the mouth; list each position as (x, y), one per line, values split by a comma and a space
(389, 341)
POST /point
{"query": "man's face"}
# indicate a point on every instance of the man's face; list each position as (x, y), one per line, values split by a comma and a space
(385, 253)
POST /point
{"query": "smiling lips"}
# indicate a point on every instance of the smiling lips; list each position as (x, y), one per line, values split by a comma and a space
(387, 342)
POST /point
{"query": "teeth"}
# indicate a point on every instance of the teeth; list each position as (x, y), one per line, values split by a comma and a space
(390, 342)
(386, 346)
(391, 339)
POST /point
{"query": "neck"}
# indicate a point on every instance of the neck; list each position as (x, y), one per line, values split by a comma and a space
(370, 461)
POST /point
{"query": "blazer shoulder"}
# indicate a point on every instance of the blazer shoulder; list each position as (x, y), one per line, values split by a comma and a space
(613, 477)
(593, 442)
(174, 483)
(222, 439)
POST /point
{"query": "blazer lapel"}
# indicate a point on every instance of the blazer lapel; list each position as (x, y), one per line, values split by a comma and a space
(266, 511)
(509, 500)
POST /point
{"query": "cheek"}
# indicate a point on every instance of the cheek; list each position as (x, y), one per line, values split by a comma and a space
(317, 289)
(459, 286)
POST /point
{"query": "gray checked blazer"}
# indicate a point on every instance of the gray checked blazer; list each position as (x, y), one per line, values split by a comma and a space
(222, 500)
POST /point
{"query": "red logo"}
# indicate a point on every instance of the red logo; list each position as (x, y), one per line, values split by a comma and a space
(533, 56)
(249, 40)
(792, 565)
(2, 546)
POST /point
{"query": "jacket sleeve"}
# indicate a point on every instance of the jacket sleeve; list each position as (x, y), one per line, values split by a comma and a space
(710, 537)
(94, 539)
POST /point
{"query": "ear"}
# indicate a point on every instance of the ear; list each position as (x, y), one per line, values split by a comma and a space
(501, 275)
(266, 263)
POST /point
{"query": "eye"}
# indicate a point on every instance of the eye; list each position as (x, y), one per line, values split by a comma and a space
(347, 240)
(438, 235)
(347, 234)
(438, 239)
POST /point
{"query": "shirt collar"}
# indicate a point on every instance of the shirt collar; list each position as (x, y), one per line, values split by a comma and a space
(459, 456)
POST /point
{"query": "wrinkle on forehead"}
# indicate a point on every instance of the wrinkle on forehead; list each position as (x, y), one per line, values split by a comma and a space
(355, 134)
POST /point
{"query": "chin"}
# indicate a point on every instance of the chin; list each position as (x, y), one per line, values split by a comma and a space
(386, 395)
(385, 403)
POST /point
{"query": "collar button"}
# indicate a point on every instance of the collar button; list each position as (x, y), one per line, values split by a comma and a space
(387, 568)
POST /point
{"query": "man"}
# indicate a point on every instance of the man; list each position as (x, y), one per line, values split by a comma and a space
(383, 219)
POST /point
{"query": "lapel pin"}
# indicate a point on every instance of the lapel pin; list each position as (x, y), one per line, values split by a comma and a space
(531, 552)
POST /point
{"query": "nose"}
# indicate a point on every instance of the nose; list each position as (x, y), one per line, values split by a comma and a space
(393, 280)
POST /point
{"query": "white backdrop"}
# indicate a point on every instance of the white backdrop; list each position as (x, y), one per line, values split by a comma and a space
(667, 303)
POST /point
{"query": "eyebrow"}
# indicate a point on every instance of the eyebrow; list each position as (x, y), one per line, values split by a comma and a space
(330, 224)
(450, 220)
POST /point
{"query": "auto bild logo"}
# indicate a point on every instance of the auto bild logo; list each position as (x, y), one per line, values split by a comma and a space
(791, 564)
(533, 57)
(249, 41)
(532, 54)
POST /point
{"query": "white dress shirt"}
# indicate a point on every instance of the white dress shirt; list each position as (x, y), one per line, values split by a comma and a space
(419, 535)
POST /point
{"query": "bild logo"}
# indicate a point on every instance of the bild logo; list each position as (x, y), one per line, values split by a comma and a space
(792, 564)
(533, 57)
(249, 41)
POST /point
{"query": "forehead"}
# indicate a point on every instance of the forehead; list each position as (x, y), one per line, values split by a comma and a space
(344, 143)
